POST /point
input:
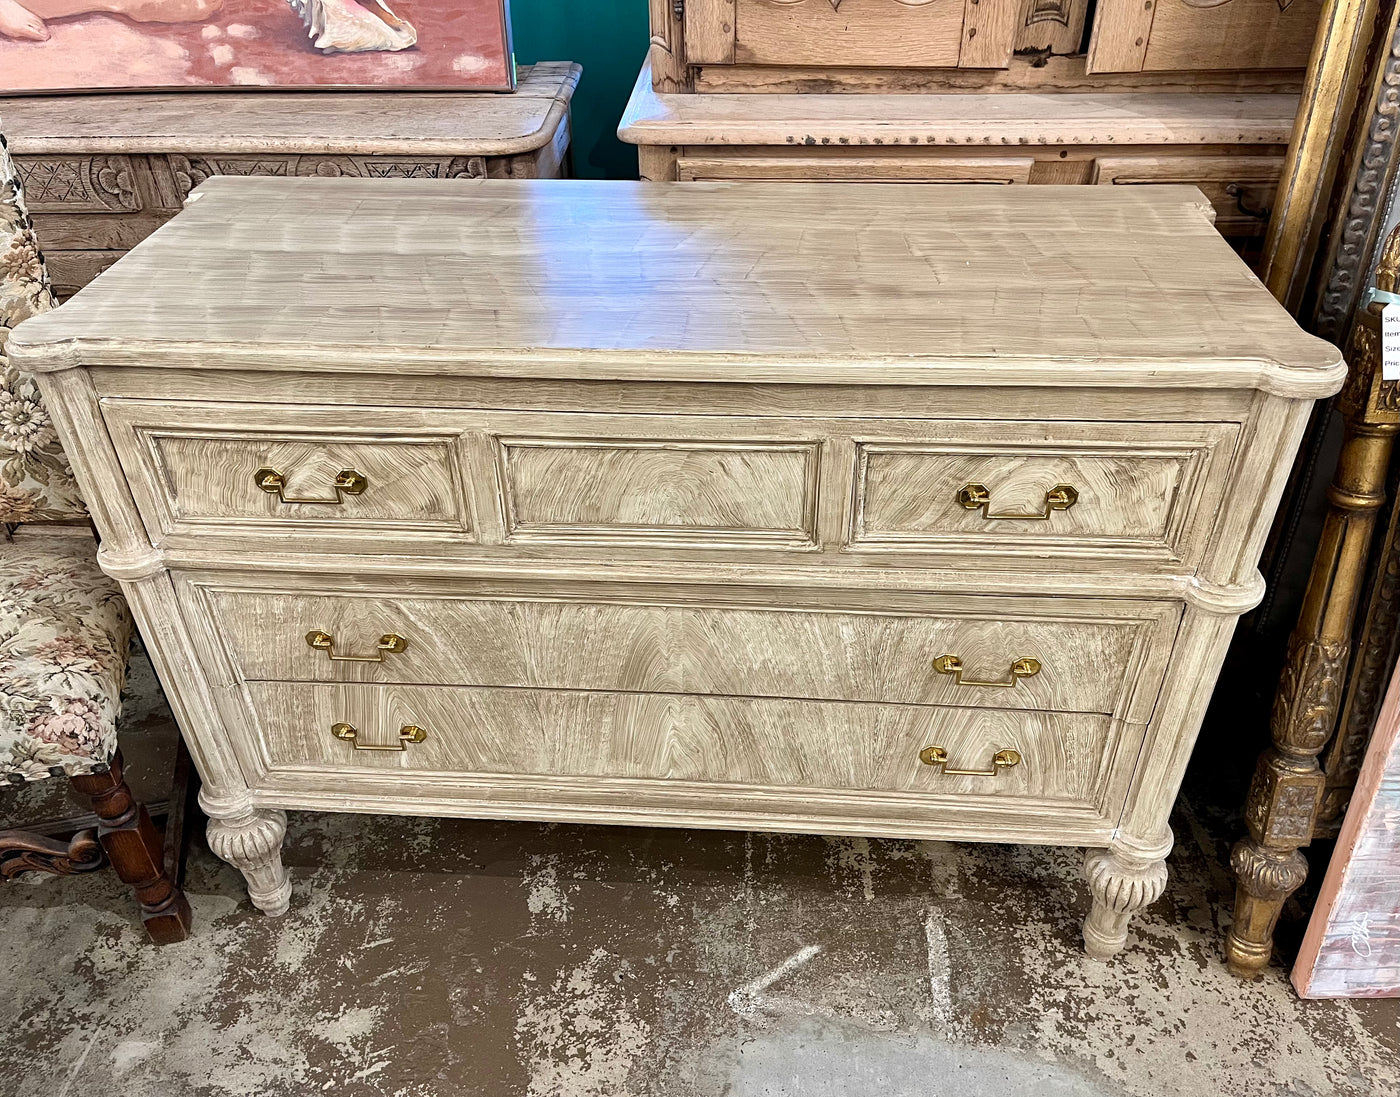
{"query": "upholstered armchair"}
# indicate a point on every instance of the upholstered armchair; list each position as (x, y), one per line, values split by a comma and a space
(65, 631)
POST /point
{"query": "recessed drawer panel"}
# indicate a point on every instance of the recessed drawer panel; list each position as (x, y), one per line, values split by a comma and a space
(1240, 188)
(213, 466)
(1020, 653)
(767, 742)
(660, 490)
(1032, 487)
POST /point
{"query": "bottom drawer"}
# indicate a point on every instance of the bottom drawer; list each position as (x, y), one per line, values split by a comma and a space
(778, 743)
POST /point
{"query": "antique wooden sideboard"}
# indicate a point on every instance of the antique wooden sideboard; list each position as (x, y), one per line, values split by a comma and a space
(102, 172)
(987, 91)
(833, 508)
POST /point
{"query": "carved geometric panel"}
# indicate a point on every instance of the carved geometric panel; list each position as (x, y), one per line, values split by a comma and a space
(78, 184)
(190, 171)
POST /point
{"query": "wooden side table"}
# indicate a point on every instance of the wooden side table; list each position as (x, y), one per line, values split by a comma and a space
(103, 172)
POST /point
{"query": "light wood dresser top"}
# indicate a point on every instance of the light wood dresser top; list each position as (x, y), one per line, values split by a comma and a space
(866, 283)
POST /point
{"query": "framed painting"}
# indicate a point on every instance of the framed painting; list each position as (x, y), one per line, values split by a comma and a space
(158, 45)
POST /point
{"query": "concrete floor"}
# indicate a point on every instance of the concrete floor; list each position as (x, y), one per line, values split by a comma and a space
(441, 958)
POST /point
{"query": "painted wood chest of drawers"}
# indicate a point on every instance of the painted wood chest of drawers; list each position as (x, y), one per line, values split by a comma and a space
(102, 172)
(848, 509)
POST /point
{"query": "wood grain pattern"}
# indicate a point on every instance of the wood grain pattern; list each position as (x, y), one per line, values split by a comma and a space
(773, 743)
(682, 354)
(988, 33)
(1132, 495)
(537, 638)
(1238, 34)
(943, 254)
(1239, 188)
(662, 490)
(199, 475)
(859, 32)
(1053, 25)
(857, 169)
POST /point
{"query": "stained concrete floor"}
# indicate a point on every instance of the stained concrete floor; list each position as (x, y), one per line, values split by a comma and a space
(449, 958)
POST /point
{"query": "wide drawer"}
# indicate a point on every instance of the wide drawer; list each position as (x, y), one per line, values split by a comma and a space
(534, 483)
(769, 742)
(920, 649)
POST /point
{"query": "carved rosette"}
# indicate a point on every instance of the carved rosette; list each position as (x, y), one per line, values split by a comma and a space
(78, 184)
(253, 844)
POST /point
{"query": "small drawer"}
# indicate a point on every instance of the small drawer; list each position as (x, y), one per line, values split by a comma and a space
(208, 467)
(1132, 489)
(977, 652)
(767, 742)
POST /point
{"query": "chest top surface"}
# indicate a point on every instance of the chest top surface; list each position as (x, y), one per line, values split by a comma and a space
(730, 281)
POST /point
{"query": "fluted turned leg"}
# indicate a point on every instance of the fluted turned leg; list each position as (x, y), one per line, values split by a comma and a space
(252, 842)
(134, 847)
(1120, 885)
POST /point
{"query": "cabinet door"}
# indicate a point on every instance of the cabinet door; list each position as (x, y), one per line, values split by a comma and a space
(1166, 35)
(882, 33)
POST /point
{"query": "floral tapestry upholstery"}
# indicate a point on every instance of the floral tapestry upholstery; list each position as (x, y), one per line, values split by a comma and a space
(65, 632)
(36, 484)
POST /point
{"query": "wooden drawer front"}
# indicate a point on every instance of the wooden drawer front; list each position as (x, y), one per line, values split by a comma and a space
(1140, 496)
(898, 33)
(1001, 170)
(1176, 35)
(659, 490)
(1240, 188)
(1087, 662)
(771, 742)
(189, 476)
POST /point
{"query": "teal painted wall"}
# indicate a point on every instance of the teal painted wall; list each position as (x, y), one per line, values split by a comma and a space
(609, 39)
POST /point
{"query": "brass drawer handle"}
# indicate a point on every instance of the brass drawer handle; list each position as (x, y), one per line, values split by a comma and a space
(938, 756)
(1060, 497)
(391, 643)
(348, 482)
(1025, 667)
(409, 733)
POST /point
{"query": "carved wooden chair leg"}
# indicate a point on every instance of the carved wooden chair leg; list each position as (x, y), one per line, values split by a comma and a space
(135, 848)
(1286, 793)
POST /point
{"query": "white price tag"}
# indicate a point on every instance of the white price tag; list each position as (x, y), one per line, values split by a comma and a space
(1390, 342)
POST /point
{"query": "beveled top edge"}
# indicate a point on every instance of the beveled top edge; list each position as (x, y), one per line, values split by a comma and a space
(1312, 382)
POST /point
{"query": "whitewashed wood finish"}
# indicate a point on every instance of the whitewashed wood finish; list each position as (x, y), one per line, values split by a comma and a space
(1002, 170)
(779, 743)
(684, 681)
(680, 317)
(532, 636)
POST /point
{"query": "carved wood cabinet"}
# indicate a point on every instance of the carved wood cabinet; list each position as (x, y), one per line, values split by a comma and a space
(1007, 92)
(102, 172)
(791, 507)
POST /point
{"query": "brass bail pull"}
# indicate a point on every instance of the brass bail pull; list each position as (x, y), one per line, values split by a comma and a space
(391, 643)
(1024, 667)
(1060, 497)
(938, 756)
(349, 733)
(347, 482)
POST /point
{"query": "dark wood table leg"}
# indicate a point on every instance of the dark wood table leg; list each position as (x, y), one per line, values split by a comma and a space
(136, 851)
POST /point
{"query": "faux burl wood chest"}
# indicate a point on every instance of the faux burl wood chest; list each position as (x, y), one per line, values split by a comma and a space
(857, 509)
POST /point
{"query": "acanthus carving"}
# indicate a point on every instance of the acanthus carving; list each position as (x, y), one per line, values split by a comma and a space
(1271, 875)
(1309, 695)
(1368, 188)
